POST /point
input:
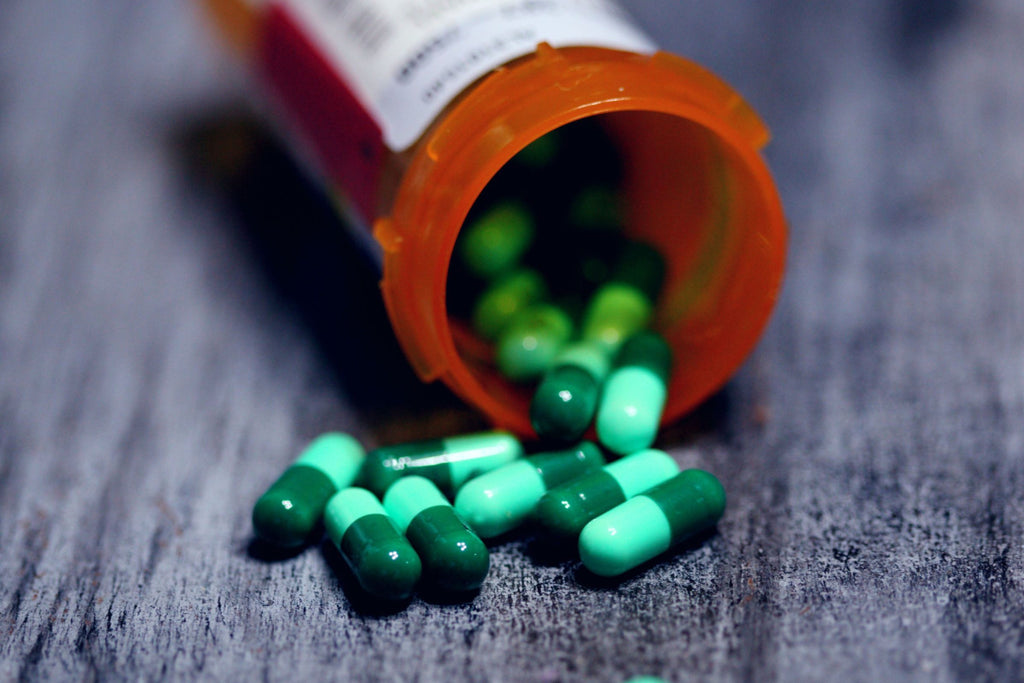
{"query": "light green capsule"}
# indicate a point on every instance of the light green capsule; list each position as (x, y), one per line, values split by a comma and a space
(616, 312)
(634, 394)
(448, 462)
(290, 510)
(499, 501)
(624, 305)
(531, 342)
(454, 558)
(649, 524)
(505, 299)
(495, 243)
(378, 554)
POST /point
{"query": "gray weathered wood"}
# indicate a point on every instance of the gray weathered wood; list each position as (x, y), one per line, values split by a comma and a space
(152, 382)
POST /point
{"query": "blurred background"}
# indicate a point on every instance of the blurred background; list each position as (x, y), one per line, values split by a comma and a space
(165, 350)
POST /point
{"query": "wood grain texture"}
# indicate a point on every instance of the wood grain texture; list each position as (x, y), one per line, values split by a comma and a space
(154, 379)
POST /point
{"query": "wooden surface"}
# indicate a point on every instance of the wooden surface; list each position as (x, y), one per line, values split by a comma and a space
(159, 364)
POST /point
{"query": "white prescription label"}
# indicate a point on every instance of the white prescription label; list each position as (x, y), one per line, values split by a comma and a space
(407, 59)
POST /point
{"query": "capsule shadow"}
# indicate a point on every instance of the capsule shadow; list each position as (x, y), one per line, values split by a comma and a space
(263, 551)
(920, 24)
(588, 579)
(438, 597)
(549, 551)
(362, 602)
(710, 417)
(323, 267)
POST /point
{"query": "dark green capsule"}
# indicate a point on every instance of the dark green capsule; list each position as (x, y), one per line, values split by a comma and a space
(597, 208)
(288, 513)
(541, 152)
(642, 266)
(498, 501)
(454, 558)
(566, 399)
(379, 556)
(649, 524)
(448, 462)
(565, 510)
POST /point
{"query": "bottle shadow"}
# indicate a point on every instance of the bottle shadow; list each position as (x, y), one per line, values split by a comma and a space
(323, 267)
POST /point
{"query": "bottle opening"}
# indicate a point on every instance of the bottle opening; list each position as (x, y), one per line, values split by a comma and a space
(547, 230)
(671, 163)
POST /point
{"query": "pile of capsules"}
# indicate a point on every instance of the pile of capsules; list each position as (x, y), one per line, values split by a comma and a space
(397, 527)
(562, 300)
(561, 297)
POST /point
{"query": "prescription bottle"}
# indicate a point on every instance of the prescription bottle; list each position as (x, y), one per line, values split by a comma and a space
(409, 107)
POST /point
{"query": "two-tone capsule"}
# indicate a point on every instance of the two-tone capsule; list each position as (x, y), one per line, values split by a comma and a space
(505, 299)
(291, 508)
(565, 510)
(649, 524)
(532, 340)
(564, 404)
(454, 558)
(448, 462)
(634, 394)
(625, 304)
(499, 501)
(379, 556)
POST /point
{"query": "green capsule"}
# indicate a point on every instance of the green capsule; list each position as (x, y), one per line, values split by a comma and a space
(499, 501)
(566, 398)
(597, 208)
(448, 462)
(505, 299)
(530, 343)
(624, 305)
(454, 558)
(565, 510)
(634, 394)
(381, 558)
(641, 266)
(494, 243)
(652, 522)
(541, 152)
(614, 313)
(290, 510)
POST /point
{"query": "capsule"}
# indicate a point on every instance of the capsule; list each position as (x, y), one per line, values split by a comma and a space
(625, 304)
(597, 208)
(495, 243)
(634, 394)
(448, 462)
(290, 510)
(379, 556)
(527, 347)
(454, 558)
(505, 299)
(540, 153)
(567, 397)
(499, 501)
(649, 524)
(565, 510)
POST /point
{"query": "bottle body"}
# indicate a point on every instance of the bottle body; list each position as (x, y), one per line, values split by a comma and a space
(696, 185)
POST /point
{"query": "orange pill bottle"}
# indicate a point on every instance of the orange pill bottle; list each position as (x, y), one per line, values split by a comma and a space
(409, 107)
